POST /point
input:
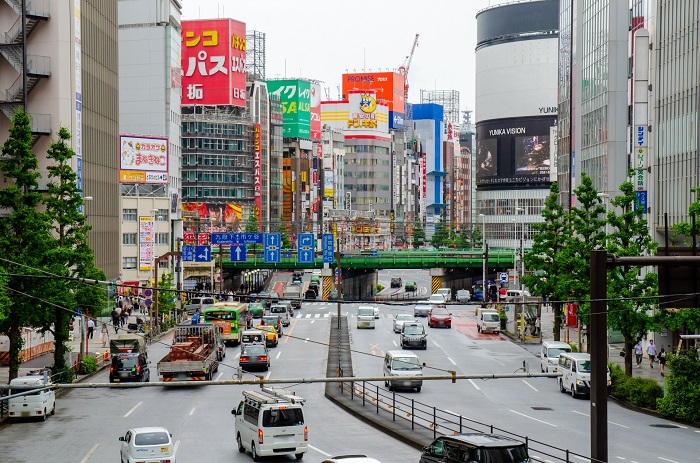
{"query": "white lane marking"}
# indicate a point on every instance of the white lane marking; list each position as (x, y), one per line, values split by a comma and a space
(452, 361)
(697, 431)
(580, 413)
(312, 321)
(502, 364)
(267, 376)
(278, 355)
(132, 410)
(237, 355)
(325, 315)
(194, 408)
(308, 315)
(452, 413)
(318, 315)
(89, 454)
(611, 422)
(666, 459)
(395, 345)
(298, 316)
(319, 451)
(436, 344)
(177, 444)
(218, 377)
(582, 458)
(531, 386)
(474, 384)
(533, 418)
(621, 458)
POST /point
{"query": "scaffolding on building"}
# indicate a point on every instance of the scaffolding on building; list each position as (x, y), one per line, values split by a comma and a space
(449, 99)
(255, 55)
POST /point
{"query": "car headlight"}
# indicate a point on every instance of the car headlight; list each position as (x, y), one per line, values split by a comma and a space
(579, 382)
(609, 382)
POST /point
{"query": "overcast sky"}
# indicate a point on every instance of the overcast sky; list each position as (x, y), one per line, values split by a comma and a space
(321, 39)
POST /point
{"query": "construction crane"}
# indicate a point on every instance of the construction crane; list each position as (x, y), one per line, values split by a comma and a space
(403, 69)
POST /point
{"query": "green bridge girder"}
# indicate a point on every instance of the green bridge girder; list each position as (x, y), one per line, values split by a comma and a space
(500, 258)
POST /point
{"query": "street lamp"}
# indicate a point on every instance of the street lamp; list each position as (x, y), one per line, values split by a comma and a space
(522, 246)
(484, 264)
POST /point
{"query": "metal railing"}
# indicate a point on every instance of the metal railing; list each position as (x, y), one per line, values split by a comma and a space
(443, 422)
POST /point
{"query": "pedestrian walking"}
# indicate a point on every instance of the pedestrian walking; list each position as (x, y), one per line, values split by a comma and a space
(125, 315)
(91, 328)
(662, 360)
(651, 352)
(115, 320)
(104, 335)
(638, 352)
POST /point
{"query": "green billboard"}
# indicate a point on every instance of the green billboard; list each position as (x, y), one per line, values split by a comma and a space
(295, 96)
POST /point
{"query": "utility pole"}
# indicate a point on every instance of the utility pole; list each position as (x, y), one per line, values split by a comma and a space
(177, 254)
(339, 276)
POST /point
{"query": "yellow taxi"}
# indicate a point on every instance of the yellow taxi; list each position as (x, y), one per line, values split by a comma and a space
(271, 337)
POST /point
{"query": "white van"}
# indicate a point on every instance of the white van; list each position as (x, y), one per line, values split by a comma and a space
(511, 294)
(281, 310)
(365, 317)
(549, 356)
(399, 363)
(488, 321)
(271, 422)
(576, 374)
(446, 293)
(36, 404)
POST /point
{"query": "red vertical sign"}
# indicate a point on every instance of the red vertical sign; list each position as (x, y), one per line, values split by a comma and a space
(257, 172)
(424, 176)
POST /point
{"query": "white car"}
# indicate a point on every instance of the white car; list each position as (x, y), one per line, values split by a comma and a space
(376, 311)
(316, 272)
(400, 319)
(153, 444)
(436, 299)
(463, 295)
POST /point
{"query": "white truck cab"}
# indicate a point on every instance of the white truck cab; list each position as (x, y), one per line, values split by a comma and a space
(37, 404)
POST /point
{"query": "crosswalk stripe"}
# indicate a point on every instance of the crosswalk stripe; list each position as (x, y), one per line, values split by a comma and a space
(308, 315)
(318, 315)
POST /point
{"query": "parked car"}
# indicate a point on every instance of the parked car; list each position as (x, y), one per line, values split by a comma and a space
(463, 295)
(396, 282)
(410, 286)
(439, 316)
(254, 356)
(413, 335)
(152, 444)
(400, 319)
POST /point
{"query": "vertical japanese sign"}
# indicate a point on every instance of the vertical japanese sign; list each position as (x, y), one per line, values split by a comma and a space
(315, 112)
(78, 132)
(213, 62)
(295, 96)
(146, 242)
(423, 185)
(257, 175)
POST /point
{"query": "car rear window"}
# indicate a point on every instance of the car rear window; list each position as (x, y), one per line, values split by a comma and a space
(365, 312)
(413, 329)
(283, 417)
(123, 363)
(440, 312)
(151, 438)
(501, 455)
(253, 350)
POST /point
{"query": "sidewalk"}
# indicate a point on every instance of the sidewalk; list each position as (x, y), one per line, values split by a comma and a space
(570, 334)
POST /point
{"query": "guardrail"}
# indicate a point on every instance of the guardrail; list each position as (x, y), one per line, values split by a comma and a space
(443, 422)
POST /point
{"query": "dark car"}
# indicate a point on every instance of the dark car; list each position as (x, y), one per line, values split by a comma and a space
(129, 368)
(333, 296)
(396, 282)
(475, 448)
(310, 294)
(273, 320)
(439, 316)
(413, 335)
(254, 356)
(410, 286)
(264, 298)
(253, 297)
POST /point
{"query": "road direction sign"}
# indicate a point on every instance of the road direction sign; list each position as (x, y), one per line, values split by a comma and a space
(305, 248)
(272, 254)
(225, 238)
(202, 253)
(188, 253)
(254, 238)
(238, 253)
(328, 250)
(504, 277)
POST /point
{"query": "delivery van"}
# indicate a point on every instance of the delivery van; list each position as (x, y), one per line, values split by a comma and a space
(549, 355)
(36, 404)
(282, 311)
(488, 321)
(576, 373)
(398, 363)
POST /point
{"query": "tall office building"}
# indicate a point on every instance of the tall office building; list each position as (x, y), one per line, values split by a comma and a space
(78, 91)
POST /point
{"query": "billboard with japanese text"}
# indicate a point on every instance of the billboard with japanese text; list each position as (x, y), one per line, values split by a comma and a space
(213, 62)
(388, 87)
(146, 242)
(143, 159)
(315, 114)
(257, 171)
(212, 217)
(295, 96)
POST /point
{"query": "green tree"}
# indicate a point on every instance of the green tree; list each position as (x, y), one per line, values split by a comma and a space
(418, 234)
(284, 235)
(477, 239)
(546, 259)
(685, 229)
(441, 237)
(24, 237)
(72, 257)
(166, 294)
(627, 287)
(587, 220)
(463, 239)
(252, 225)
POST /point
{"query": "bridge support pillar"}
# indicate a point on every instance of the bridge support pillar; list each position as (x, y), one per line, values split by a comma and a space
(327, 275)
(436, 276)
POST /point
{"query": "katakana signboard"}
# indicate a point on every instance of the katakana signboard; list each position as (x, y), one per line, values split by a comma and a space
(295, 96)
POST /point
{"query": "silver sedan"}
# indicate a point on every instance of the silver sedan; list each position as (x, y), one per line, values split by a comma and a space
(400, 319)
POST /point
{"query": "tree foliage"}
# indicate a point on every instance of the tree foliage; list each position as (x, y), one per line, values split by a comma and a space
(418, 236)
(284, 235)
(166, 294)
(546, 260)
(685, 229)
(477, 239)
(24, 237)
(441, 237)
(628, 311)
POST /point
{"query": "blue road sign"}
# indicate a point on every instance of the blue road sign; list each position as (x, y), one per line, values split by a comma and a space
(642, 200)
(305, 248)
(202, 253)
(272, 254)
(238, 253)
(253, 238)
(225, 238)
(504, 277)
(188, 253)
(328, 250)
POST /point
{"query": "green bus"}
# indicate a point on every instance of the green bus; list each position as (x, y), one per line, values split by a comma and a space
(230, 317)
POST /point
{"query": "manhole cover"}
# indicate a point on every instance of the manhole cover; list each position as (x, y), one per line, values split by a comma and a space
(670, 426)
(541, 408)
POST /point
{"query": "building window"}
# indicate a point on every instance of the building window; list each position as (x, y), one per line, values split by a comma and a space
(129, 238)
(162, 238)
(162, 215)
(129, 215)
(128, 263)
